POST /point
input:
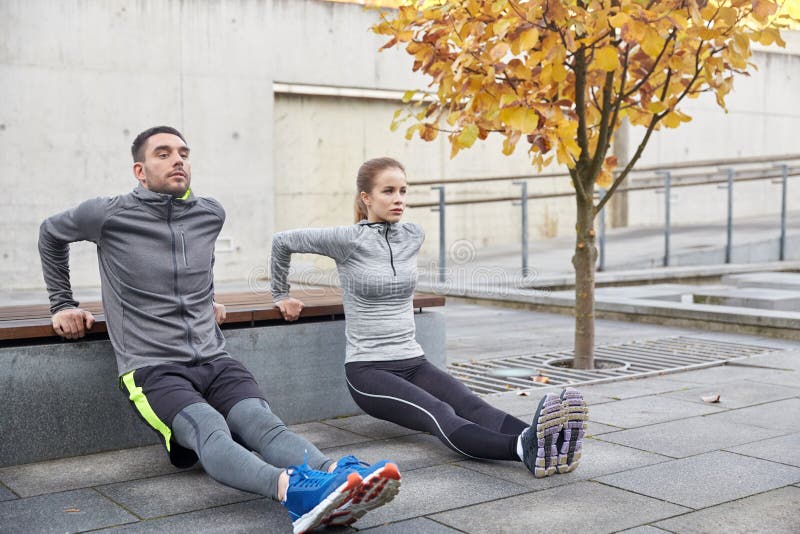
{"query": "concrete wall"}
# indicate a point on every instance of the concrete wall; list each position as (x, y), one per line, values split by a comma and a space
(80, 79)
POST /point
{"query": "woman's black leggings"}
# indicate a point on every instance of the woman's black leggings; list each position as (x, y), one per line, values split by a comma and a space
(415, 394)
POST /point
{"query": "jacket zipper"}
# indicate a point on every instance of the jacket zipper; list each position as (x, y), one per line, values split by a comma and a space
(183, 246)
(175, 285)
(391, 256)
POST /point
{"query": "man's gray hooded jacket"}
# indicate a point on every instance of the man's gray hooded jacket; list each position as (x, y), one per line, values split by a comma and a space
(156, 255)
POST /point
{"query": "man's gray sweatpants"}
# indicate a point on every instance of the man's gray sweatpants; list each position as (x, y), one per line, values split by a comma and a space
(204, 430)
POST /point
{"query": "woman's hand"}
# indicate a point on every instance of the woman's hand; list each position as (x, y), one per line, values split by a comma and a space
(290, 308)
(219, 313)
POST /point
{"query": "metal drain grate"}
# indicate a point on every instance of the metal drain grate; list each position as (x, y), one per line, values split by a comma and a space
(640, 358)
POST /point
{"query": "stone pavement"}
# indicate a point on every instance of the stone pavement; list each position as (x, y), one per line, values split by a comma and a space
(657, 459)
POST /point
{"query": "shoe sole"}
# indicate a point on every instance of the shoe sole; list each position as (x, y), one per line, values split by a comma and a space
(576, 415)
(321, 513)
(548, 420)
(376, 490)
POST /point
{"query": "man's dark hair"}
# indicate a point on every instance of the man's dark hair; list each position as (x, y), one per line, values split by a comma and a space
(138, 144)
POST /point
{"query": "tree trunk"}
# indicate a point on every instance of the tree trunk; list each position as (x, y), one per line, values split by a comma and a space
(584, 262)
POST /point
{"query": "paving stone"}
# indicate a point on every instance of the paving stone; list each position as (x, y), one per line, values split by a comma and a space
(777, 360)
(781, 377)
(688, 437)
(368, 426)
(323, 435)
(780, 415)
(408, 452)
(602, 509)
(596, 429)
(599, 458)
(262, 515)
(6, 494)
(421, 525)
(86, 471)
(705, 480)
(70, 511)
(644, 529)
(784, 450)
(641, 411)
(173, 494)
(774, 512)
(727, 373)
(532, 401)
(434, 489)
(638, 387)
(737, 394)
(519, 404)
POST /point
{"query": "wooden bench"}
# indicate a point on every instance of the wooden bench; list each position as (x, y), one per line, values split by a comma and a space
(32, 322)
(60, 398)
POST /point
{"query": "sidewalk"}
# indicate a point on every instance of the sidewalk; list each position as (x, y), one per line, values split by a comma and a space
(657, 458)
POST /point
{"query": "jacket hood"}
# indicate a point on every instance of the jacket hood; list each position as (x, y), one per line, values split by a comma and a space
(161, 201)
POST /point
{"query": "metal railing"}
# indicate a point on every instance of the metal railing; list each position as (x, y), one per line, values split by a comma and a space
(663, 180)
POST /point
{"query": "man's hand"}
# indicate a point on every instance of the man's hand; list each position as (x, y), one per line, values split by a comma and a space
(290, 308)
(219, 313)
(72, 323)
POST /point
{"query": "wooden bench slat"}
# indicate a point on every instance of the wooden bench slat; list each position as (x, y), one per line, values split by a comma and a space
(33, 321)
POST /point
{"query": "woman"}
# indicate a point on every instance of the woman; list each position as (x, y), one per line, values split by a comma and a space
(387, 372)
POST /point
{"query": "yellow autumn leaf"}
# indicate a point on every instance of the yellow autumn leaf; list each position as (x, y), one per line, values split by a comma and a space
(509, 145)
(656, 107)
(652, 43)
(558, 72)
(671, 120)
(607, 58)
(528, 39)
(604, 179)
(468, 136)
(520, 118)
(634, 31)
(453, 117)
(500, 28)
(411, 129)
(499, 50)
(728, 15)
(428, 132)
(708, 34)
(764, 8)
(619, 20)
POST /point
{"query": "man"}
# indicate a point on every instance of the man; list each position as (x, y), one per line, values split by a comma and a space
(155, 248)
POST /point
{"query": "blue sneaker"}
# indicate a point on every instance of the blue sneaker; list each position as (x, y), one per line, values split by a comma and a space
(379, 485)
(313, 495)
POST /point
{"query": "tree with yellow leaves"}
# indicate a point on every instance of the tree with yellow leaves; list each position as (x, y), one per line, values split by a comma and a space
(561, 75)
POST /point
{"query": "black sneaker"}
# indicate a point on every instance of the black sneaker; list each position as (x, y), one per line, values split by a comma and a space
(570, 439)
(539, 450)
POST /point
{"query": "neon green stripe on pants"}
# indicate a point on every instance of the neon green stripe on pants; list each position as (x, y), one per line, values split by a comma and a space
(138, 399)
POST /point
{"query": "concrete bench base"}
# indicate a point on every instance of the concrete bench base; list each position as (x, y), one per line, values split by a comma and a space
(61, 399)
